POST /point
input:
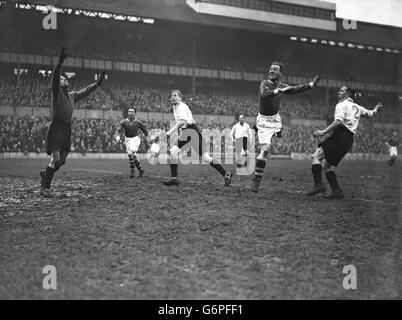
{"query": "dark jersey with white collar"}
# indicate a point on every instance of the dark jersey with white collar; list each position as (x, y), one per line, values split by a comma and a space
(393, 142)
(131, 127)
(270, 98)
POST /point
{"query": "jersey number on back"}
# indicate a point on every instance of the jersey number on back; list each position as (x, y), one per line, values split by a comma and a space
(357, 112)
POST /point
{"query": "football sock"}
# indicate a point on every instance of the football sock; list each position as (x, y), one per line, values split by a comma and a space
(218, 167)
(48, 177)
(173, 170)
(259, 168)
(131, 161)
(138, 165)
(316, 170)
(333, 182)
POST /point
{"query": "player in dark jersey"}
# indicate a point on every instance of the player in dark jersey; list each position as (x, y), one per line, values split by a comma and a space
(130, 126)
(269, 121)
(393, 150)
(59, 133)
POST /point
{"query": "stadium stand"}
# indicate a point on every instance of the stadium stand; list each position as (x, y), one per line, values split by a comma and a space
(35, 92)
(28, 134)
(163, 44)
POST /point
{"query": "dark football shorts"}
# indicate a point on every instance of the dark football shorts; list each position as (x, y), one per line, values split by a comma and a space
(191, 137)
(338, 145)
(58, 137)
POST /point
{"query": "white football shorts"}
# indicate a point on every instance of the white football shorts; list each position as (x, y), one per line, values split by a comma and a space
(393, 152)
(267, 126)
(155, 148)
(132, 144)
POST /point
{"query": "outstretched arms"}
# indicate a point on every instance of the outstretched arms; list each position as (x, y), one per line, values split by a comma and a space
(57, 71)
(266, 92)
(340, 113)
(370, 113)
(300, 88)
(78, 95)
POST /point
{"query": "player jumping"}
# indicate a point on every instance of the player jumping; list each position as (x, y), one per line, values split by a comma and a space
(393, 151)
(187, 128)
(268, 120)
(59, 134)
(331, 151)
(130, 126)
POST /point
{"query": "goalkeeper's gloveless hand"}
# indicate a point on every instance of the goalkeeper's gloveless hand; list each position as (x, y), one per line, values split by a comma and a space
(101, 78)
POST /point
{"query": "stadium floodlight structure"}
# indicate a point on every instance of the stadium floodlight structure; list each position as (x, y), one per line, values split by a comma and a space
(85, 13)
(344, 45)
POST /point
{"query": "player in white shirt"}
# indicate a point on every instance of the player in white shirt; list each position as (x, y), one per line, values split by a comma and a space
(154, 150)
(241, 133)
(187, 128)
(331, 151)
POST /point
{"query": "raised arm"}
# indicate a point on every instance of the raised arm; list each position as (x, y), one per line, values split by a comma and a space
(57, 71)
(370, 113)
(81, 94)
(78, 95)
(300, 88)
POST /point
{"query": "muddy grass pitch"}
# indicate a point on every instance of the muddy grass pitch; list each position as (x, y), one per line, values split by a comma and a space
(112, 237)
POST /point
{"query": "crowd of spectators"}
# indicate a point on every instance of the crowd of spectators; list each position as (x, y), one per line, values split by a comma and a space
(28, 134)
(36, 92)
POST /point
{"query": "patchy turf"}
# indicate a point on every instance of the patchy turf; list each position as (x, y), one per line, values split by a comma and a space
(114, 237)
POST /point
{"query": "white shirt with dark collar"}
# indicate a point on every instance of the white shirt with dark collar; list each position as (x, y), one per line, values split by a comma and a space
(349, 113)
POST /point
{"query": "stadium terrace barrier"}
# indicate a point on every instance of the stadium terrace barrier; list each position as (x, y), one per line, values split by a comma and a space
(349, 156)
(143, 156)
(160, 116)
(6, 111)
(309, 122)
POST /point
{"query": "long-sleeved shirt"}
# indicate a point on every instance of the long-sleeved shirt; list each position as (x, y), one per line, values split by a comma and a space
(270, 98)
(349, 113)
(131, 127)
(240, 131)
(62, 102)
(393, 142)
(181, 111)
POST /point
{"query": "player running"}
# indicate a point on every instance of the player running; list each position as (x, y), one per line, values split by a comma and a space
(268, 120)
(331, 151)
(393, 151)
(187, 128)
(59, 134)
(130, 126)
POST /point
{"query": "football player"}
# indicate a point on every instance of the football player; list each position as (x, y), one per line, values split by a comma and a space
(131, 126)
(332, 150)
